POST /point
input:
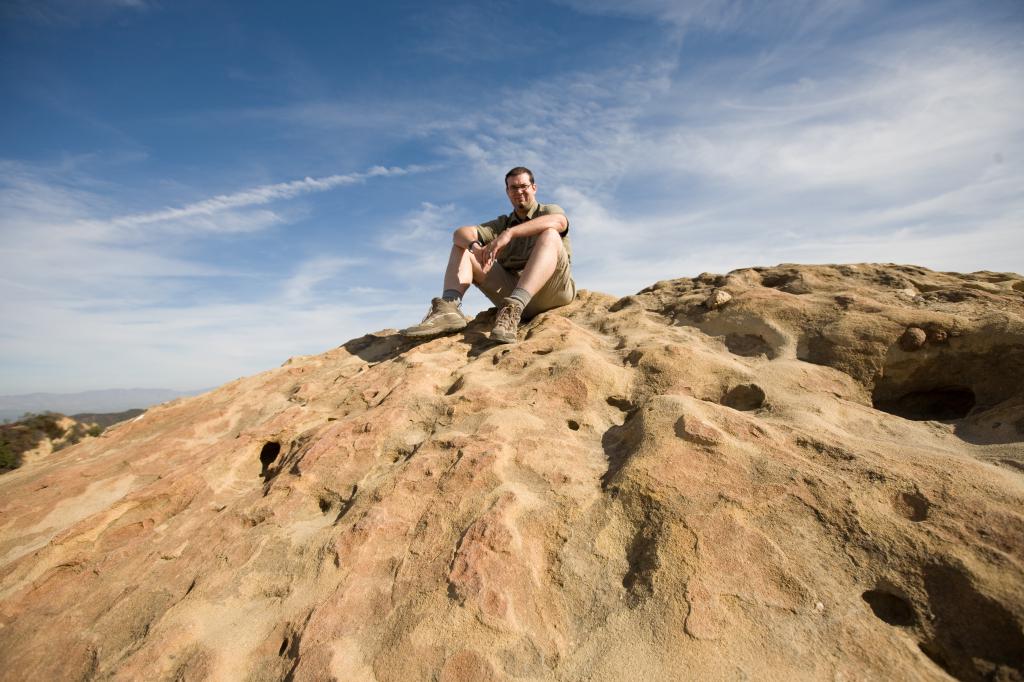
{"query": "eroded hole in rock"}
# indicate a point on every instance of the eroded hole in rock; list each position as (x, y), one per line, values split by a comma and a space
(892, 609)
(939, 404)
(456, 386)
(744, 397)
(634, 357)
(621, 403)
(268, 454)
(573, 425)
(912, 506)
(617, 449)
(346, 504)
(748, 345)
(962, 377)
(620, 441)
(1019, 286)
(642, 556)
(325, 504)
(284, 647)
(777, 279)
(975, 636)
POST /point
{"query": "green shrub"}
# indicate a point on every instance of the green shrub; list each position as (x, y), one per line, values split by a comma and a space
(9, 459)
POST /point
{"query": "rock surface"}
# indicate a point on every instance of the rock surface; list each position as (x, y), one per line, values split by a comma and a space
(642, 488)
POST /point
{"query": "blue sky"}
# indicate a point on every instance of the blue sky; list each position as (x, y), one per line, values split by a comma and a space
(195, 191)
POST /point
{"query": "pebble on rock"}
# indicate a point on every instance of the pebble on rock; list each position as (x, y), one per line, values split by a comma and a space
(913, 339)
(717, 299)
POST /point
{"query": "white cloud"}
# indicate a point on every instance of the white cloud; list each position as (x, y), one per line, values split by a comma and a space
(899, 112)
(184, 347)
(300, 288)
(728, 15)
(421, 241)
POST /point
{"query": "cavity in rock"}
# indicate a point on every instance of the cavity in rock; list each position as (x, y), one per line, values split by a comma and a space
(744, 397)
(912, 505)
(748, 345)
(268, 454)
(890, 608)
(939, 404)
(642, 556)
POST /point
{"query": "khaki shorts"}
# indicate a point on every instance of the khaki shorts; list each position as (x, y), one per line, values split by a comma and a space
(559, 290)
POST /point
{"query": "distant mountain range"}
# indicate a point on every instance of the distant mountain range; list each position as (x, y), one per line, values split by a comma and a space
(110, 400)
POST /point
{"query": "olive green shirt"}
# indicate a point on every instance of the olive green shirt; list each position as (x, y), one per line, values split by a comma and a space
(514, 256)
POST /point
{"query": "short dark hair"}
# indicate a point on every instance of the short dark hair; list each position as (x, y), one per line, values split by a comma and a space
(519, 170)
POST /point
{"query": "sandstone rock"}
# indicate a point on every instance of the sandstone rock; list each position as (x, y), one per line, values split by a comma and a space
(913, 339)
(717, 299)
(695, 430)
(908, 294)
(634, 491)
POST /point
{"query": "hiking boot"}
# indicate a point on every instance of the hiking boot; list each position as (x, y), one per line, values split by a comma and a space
(507, 324)
(443, 317)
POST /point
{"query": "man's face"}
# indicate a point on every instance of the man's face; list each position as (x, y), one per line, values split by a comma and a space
(521, 192)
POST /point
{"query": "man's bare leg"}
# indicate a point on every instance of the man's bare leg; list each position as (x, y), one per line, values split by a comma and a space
(459, 273)
(542, 263)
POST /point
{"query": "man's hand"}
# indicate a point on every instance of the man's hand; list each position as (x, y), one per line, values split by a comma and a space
(491, 251)
(479, 252)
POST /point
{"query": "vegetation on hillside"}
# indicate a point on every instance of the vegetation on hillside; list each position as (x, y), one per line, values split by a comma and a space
(105, 419)
(32, 430)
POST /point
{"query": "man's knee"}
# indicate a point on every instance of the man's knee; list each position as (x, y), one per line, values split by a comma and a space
(466, 232)
(549, 238)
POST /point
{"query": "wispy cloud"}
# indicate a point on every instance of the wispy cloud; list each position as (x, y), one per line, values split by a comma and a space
(223, 203)
(729, 15)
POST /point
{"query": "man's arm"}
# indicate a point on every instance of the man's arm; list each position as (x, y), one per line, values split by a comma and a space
(551, 221)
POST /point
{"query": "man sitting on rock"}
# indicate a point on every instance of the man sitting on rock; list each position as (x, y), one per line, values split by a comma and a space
(520, 261)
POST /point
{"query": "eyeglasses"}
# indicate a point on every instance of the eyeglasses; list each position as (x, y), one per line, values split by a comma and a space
(519, 188)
